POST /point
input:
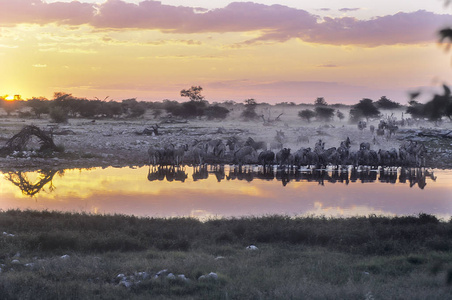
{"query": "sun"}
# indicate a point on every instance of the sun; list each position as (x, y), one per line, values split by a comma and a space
(11, 98)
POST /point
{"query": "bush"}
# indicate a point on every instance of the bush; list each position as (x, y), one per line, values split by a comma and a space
(58, 115)
(216, 112)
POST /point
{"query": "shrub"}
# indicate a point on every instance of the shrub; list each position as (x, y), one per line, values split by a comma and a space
(58, 115)
(216, 112)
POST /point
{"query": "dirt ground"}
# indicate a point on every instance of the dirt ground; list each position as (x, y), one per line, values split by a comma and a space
(121, 142)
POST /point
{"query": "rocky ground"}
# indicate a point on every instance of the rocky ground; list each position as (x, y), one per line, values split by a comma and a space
(101, 143)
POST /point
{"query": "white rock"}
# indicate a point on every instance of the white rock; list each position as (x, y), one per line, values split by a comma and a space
(182, 276)
(161, 272)
(126, 283)
(65, 256)
(171, 276)
(252, 247)
(15, 262)
(143, 275)
(211, 275)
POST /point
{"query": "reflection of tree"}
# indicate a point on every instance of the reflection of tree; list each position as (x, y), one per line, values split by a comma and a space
(20, 179)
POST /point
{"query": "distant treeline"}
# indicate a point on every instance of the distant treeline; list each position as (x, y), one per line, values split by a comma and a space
(64, 106)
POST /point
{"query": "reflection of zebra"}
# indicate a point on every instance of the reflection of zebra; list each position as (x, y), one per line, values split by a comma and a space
(171, 173)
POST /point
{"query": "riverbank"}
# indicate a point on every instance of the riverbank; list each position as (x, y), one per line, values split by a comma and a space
(48, 255)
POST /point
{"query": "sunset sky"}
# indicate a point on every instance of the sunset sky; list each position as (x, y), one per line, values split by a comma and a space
(272, 51)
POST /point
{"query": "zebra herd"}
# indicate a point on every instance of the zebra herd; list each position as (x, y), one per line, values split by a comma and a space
(235, 151)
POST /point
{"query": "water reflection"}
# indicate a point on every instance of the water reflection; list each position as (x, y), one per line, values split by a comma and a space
(228, 191)
(30, 187)
(170, 173)
(415, 176)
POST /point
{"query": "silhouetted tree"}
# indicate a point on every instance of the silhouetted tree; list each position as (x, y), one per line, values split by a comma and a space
(386, 103)
(320, 101)
(439, 106)
(340, 115)
(415, 109)
(9, 105)
(112, 109)
(133, 108)
(250, 110)
(193, 93)
(306, 114)
(324, 113)
(39, 106)
(364, 109)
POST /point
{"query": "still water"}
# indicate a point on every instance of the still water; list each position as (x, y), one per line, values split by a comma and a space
(228, 191)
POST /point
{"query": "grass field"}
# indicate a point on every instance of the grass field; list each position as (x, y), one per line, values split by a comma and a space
(50, 255)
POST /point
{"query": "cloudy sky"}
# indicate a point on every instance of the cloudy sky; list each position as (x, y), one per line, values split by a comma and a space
(271, 51)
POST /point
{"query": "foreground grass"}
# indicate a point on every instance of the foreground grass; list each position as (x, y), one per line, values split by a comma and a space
(49, 255)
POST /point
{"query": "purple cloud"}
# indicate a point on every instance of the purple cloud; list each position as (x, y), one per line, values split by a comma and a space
(348, 9)
(277, 23)
(327, 66)
(38, 12)
(401, 28)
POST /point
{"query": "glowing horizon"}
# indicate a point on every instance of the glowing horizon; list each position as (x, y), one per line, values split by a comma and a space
(272, 51)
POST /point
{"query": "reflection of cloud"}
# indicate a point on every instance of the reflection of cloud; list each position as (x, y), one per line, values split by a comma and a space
(40, 66)
(343, 212)
(128, 191)
(273, 22)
